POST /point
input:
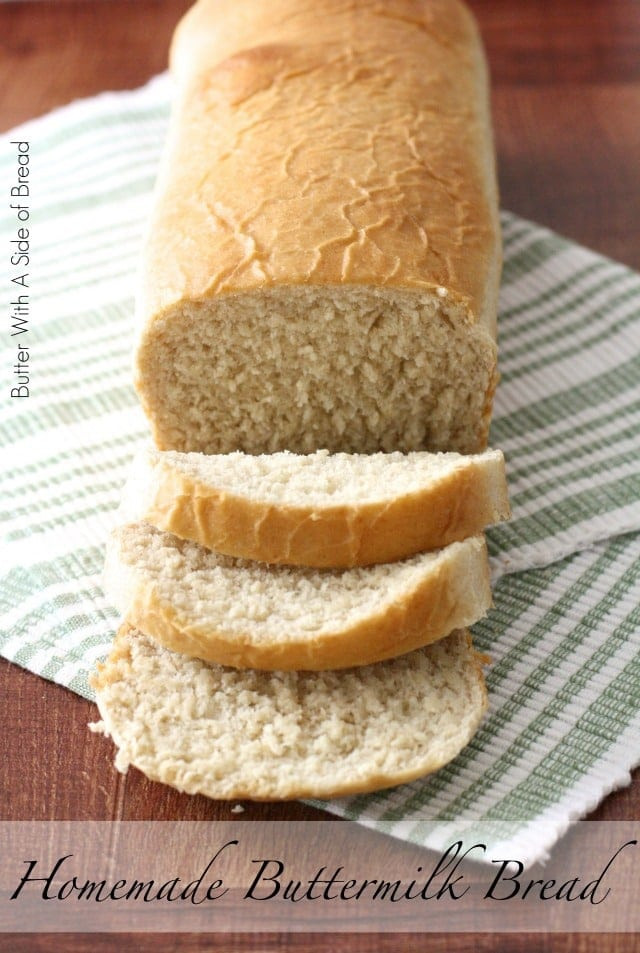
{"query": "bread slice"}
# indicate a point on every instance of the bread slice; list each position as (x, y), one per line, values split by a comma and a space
(322, 509)
(207, 729)
(251, 615)
(323, 257)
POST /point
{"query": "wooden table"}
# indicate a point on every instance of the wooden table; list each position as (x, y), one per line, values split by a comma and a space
(566, 97)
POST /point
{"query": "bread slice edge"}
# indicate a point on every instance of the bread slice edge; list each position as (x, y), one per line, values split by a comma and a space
(451, 507)
(452, 593)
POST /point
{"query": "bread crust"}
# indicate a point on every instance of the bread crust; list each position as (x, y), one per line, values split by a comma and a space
(118, 674)
(452, 507)
(452, 594)
(400, 118)
(333, 145)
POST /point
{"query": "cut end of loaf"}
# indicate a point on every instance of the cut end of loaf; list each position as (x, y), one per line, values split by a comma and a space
(352, 369)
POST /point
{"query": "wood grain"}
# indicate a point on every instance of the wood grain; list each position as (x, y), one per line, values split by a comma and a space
(322, 943)
(566, 101)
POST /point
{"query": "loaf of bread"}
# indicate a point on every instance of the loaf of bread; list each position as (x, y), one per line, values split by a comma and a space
(323, 259)
(249, 614)
(206, 729)
(319, 509)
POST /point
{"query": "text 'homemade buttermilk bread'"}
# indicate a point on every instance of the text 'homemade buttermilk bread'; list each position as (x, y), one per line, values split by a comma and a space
(206, 729)
(249, 614)
(323, 259)
(318, 509)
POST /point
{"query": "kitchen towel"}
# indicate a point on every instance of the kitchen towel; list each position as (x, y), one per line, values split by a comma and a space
(563, 728)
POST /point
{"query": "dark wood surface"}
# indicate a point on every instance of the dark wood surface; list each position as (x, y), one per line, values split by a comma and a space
(566, 100)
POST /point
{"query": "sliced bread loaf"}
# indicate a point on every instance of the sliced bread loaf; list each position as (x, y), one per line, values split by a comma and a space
(323, 257)
(212, 730)
(320, 509)
(252, 615)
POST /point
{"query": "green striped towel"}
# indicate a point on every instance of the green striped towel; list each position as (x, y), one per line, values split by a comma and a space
(563, 728)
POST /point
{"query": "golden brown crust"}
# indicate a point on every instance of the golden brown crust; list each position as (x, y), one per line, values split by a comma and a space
(455, 594)
(336, 144)
(454, 507)
(343, 150)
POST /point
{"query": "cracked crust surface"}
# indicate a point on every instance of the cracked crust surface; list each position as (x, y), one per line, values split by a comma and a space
(323, 259)
(321, 509)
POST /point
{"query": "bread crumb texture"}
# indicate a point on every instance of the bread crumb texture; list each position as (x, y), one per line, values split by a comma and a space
(321, 478)
(321, 509)
(248, 614)
(269, 735)
(323, 259)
